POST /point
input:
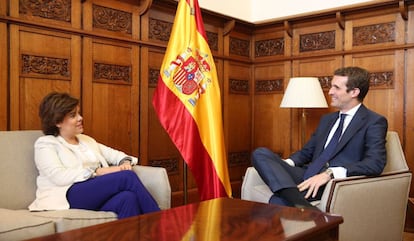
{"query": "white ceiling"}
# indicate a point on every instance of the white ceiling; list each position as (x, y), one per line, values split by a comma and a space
(261, 11)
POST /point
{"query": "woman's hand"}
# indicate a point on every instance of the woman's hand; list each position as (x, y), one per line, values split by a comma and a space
(106, 170)
(126, 165)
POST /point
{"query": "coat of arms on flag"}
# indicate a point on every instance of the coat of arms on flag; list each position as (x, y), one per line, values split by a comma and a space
(190, 73)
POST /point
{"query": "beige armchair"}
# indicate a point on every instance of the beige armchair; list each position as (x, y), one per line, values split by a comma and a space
(373, 208)
(18, 186)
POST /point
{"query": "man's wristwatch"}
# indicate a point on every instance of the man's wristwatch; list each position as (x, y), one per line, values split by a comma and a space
(330, 173)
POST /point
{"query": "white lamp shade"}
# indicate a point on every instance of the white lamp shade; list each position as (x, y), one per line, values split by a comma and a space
(304, 92)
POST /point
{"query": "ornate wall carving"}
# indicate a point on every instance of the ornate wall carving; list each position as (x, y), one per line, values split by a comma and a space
(239, 158)
(239, 86)
(269, 47)
(171, 165)
(317, 41)
(325, 81)
(212, 40)
(373, 34)
(112, 72)
(59, 10)
(111, 19)
(42, 65)
(239, 47)
(159, 30)
(153, 77)
(381, 80)
(378, 80)
(269, 86)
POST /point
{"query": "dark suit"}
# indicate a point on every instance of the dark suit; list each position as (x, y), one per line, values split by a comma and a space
(361, 151)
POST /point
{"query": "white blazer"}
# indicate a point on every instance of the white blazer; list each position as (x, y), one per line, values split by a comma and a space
(59, 167)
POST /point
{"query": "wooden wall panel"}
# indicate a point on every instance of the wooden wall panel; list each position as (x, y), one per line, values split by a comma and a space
(95, 37)
(408, 134)
(41, 61)
(59, 13)
(238, 119)
(269, 118)
(159, 149)
(317, 38)
(4, 96)
(386, 67)
(110, 93)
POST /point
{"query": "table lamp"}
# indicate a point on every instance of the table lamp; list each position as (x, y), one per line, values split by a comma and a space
(303, 92)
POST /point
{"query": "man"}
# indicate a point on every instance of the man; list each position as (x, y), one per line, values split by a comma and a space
(360, 149)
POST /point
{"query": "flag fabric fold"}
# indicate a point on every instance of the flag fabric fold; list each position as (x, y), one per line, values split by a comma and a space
(188, 103)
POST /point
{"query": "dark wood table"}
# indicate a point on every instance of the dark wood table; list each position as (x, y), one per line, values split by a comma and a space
(213, 220)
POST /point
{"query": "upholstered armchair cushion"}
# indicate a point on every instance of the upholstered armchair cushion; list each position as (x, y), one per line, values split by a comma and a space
(373, 208)
(18, 186)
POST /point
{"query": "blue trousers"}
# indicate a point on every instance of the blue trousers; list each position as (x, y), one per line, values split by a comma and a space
(120, 192)
(277, 174)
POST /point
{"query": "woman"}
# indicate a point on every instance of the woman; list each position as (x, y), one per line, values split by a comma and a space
(77, 172)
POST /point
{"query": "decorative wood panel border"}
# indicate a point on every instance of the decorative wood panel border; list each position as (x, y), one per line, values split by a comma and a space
(171, 165)
(111, 73)
(153, 77)
(239, 86)
(59, 10)
(382, 80)
(239, 158)
(239, 46)
(378, 80)
(325, 81)
(269, 47)
(111, 19)
(212, 40)
(373, 34)
(44, 66)
(269, 86)
(317, 41)
(159, 30)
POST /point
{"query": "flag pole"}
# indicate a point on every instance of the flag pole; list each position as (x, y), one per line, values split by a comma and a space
(185, 183)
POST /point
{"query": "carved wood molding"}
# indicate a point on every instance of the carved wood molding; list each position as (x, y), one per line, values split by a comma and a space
(382, 80)
(44, 66)
(112, 19)
(239, 86)
(111, 73)
(59, 10)
(373, 34)
(288, 28)
(212, 39)
(317, 41)
(239, 47)
(269, 47)
(340, 20)
(170, 165)
(228, 27)
(269, 86)
(238, 158)
(153, 75)
(145, 7)
(403, 9)
(159, 29)
(377, 80)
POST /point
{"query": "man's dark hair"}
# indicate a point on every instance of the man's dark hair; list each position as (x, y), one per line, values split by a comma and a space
(357, 78)
(53, 109)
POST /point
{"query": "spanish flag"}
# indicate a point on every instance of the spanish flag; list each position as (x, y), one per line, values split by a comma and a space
(187, 102)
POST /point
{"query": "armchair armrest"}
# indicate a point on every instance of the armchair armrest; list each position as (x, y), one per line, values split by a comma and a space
(254, 188)
(378, 204)
(155, 179)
